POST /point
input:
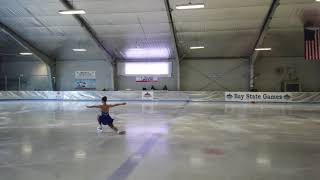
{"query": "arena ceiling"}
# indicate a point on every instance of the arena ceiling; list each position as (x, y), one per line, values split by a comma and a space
(151, 30)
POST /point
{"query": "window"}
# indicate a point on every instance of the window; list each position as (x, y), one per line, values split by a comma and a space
(145, 68)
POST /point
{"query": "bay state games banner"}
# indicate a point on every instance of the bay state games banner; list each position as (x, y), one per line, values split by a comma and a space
(258, 96)
(85, 80)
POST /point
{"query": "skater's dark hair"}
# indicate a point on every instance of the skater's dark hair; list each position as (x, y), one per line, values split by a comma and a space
(104, 99)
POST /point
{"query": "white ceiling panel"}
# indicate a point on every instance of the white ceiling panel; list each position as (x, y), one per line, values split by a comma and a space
(127, 18)
(223, 43)
(45, 9)
(285, 43)
(220, 14)
(120, 6)
(286, 23)
(142, 49)
(136, 36)
(218, 25)
(285, 36)
(221, 4)
(13, 12)
(296, 10)
(225, 27)
(156, 28)
(35, 32)
(118, 29)
(58, 21)
(112, 19)
(20, 22)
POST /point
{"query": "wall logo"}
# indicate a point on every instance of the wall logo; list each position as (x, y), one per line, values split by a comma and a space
(229, 96)
(147, 95)
(59, 95)
(286, 97)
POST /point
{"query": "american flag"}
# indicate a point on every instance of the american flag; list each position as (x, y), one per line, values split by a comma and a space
(311, 44)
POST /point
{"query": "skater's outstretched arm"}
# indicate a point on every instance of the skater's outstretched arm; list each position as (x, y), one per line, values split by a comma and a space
(114, 105)
(96, 106)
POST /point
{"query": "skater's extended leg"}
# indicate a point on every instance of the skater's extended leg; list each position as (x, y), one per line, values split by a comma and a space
(113, 127)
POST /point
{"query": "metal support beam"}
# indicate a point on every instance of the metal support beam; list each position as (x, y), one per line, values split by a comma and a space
(174, 41)
(260, 39)
(251, 75)
(86, 26)
(264, 28)
(114, 77)
(92, 33)
(36, 52)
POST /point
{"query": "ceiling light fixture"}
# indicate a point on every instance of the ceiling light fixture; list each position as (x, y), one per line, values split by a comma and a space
(190, 6)
(79, 50)
(197, 47)
(72, 12)
(263, 49)
(25, 53)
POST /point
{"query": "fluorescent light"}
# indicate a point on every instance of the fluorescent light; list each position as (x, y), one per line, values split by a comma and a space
(190, 6)
(25, 53)
(71, 12)
(263, 49)
(79, 50)
(197, 47)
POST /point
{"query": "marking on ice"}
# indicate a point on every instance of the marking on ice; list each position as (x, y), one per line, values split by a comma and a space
(132, 162)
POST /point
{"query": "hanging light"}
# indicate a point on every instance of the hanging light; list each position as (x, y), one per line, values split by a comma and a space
(190, 6)
(25, 53)
(197, 47)
(263, 49)
(79, 50)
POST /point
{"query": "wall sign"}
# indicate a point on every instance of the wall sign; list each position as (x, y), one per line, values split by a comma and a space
(258, 96)
(85, 74)
(85, 80)
(146, 79)
(147, 95)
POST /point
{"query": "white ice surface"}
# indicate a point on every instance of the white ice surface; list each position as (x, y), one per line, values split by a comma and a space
(48, 140)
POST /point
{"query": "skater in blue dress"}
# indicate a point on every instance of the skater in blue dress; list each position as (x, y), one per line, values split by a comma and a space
(104, 118)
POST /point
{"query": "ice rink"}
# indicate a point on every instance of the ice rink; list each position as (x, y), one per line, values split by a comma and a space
(49, 140)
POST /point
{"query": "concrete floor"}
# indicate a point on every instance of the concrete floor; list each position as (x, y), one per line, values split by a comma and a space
(42, 140)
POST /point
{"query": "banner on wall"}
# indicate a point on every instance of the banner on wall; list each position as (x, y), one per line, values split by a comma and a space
(85, 80)
(146, 79)
(85, 74)
(258, 96)
(147, 95)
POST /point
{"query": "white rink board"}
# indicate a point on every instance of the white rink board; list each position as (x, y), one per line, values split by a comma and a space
(113, 95)
(193, 96)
